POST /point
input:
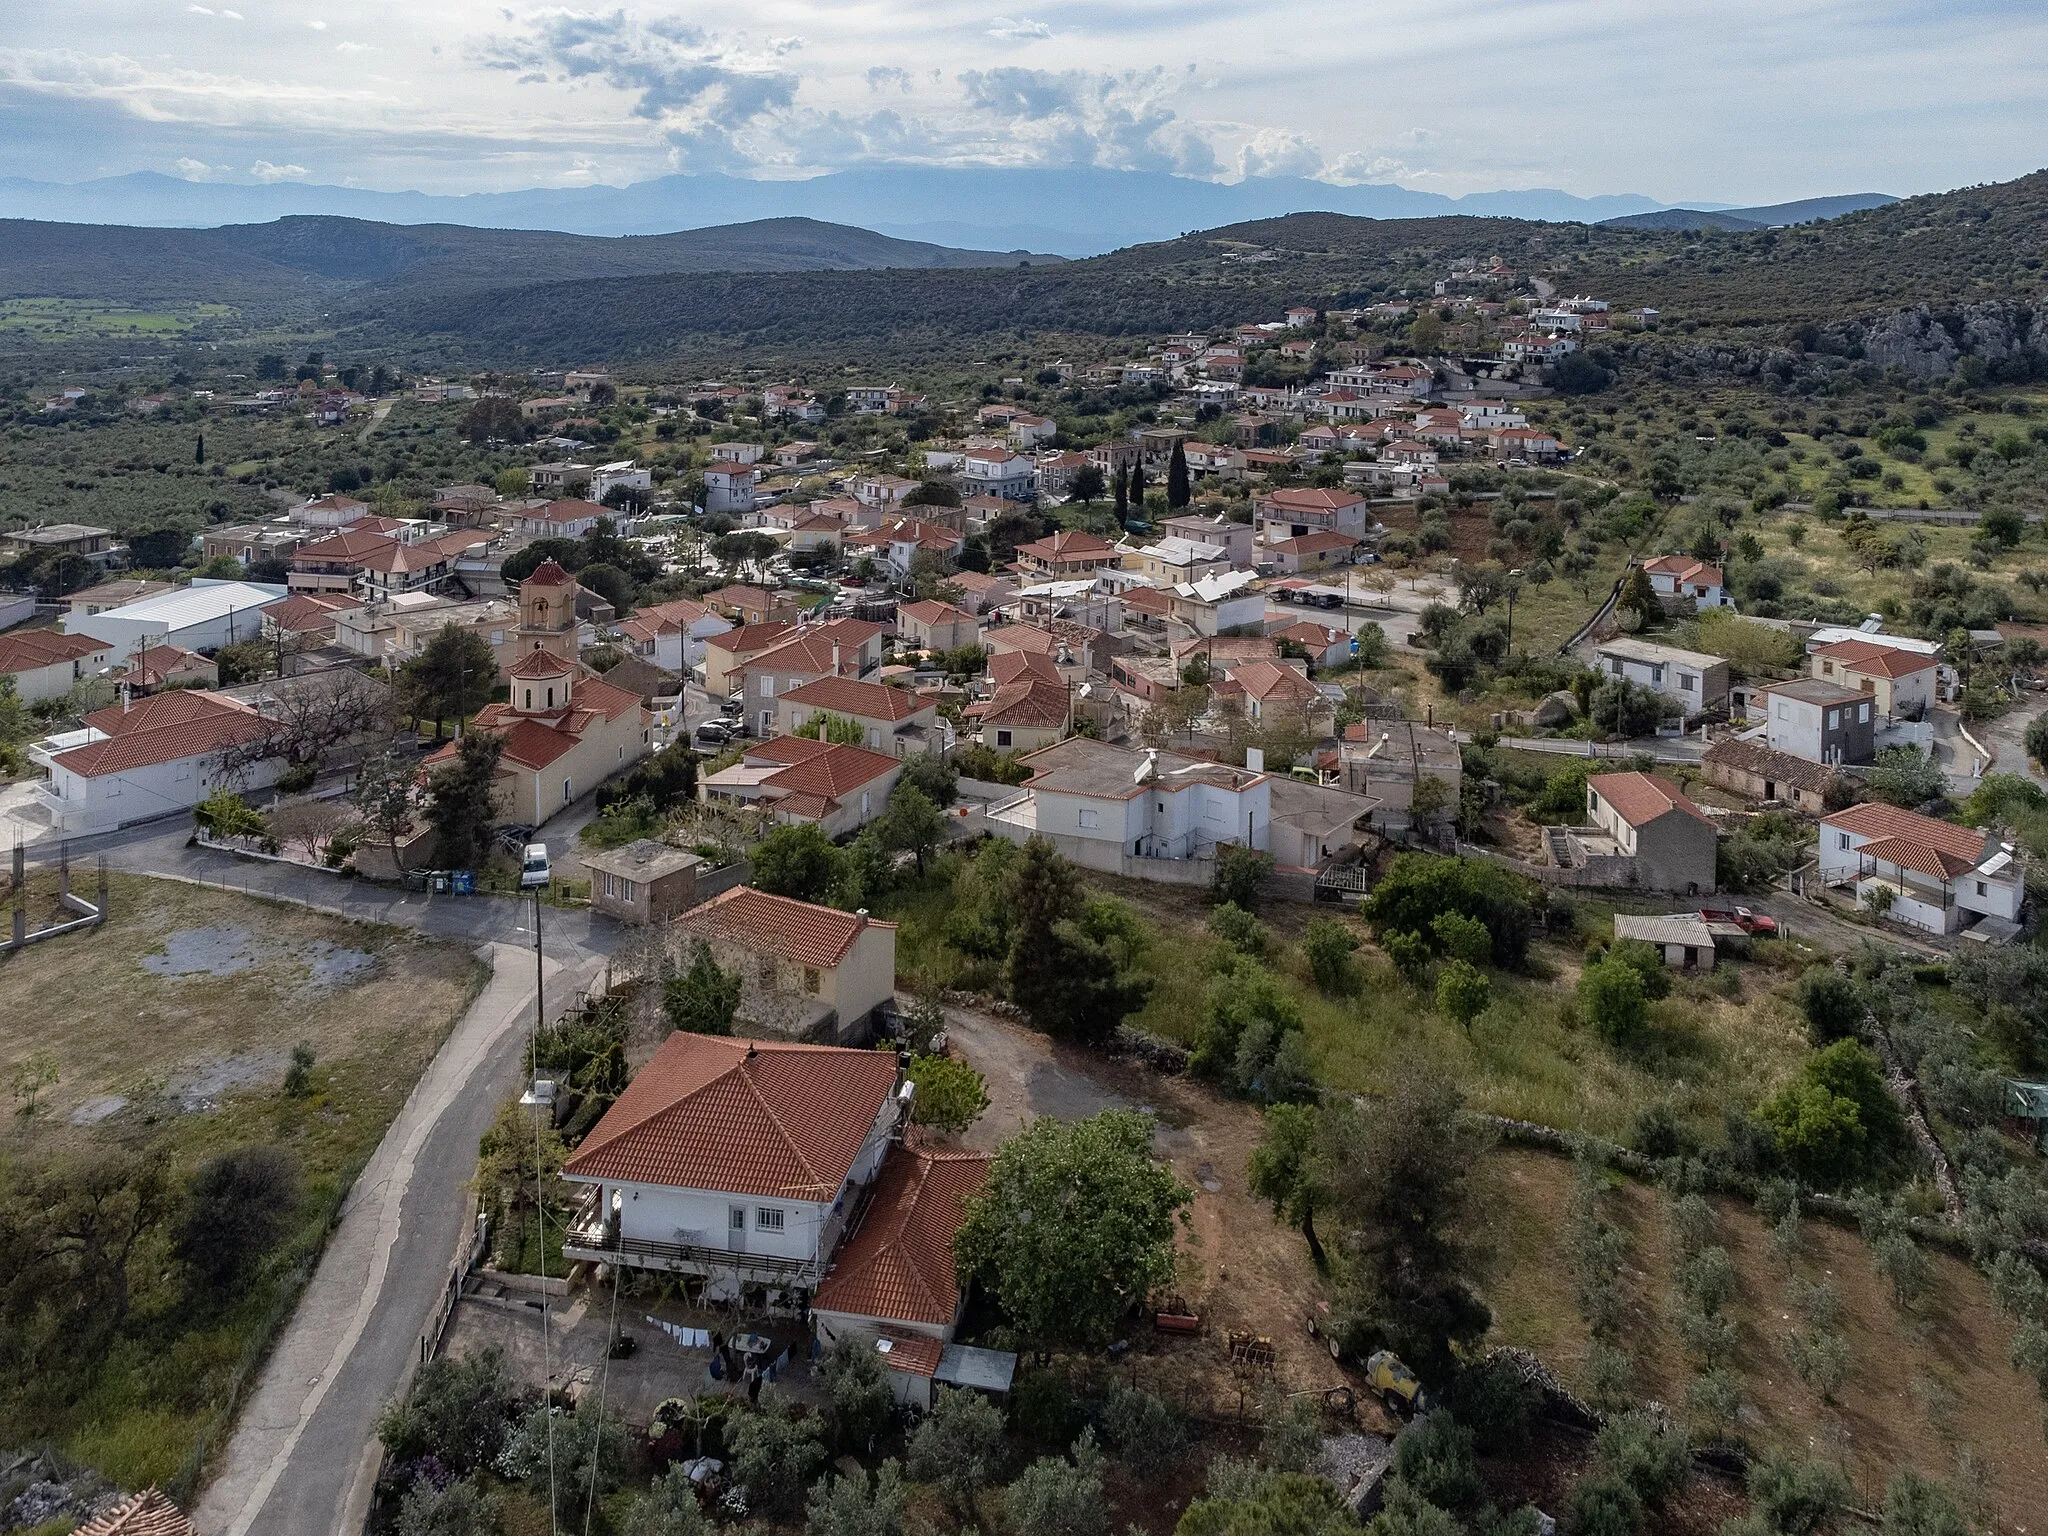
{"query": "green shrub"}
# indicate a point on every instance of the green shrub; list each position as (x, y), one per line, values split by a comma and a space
(1612, 1000)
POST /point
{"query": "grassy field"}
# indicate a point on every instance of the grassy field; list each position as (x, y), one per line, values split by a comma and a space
(78, 319)
(170, 1029)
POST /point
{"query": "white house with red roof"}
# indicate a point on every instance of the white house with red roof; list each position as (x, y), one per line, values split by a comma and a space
(147, 758)
(741, 1163)
(1326, 647)
(837, 648)
(998, 472)
(1900, 683)
(936, 626)
(672, 634)
(730, 487)
(1291, 513)
(1939, 876)
(1687, 580)
(45, 663)
(566, 517)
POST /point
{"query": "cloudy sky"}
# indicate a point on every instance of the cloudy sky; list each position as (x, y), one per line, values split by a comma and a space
(1734, 101)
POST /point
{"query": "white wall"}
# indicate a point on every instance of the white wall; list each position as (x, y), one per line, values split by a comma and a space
(78, 804)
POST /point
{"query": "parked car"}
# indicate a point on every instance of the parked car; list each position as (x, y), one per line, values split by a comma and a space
(533, 868)
(713, 733)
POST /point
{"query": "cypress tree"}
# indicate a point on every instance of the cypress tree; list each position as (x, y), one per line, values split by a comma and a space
(1177, 495)
(1123, 494)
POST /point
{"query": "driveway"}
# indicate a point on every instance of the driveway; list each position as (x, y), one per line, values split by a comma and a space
(2006, 737)
(1028, 1076)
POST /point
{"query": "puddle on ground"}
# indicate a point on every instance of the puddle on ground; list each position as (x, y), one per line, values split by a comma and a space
(203, 952)
(93, 1111)
(199, 1085)
(229, 950)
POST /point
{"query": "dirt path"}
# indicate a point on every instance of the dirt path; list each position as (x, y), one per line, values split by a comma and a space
(376, 420)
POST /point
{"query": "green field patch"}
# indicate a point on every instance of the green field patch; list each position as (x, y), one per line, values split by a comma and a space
(76, 319)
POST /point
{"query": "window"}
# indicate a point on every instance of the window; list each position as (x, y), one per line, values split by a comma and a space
(567, 794)
(1842, 841)
(738, 1219)
(1003, 738)
(810, 980)
(1090, 818)
(1834, 718)
(1685, 682)
(1980, 887)
(768, 1218)
(551, 696)
(1863, 714)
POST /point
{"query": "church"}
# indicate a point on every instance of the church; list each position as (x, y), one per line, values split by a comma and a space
(565, 729)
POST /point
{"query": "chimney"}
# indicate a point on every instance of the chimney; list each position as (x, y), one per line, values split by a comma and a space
(860, 919)
(835, 658)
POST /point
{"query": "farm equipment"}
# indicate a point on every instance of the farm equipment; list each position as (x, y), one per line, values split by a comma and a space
(1252, 1350)
(1394, 1384)
(1177, 1317)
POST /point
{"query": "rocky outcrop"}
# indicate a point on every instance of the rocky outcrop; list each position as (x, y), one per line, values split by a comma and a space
(1996, 339)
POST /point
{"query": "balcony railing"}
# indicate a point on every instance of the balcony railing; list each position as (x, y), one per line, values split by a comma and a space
(588, 1238)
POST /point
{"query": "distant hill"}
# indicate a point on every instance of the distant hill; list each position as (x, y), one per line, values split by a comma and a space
(1775, 216)
(271, 266)
(1981, 242)
(1072, 211)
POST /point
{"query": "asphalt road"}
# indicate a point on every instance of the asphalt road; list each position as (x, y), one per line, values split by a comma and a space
(303, 1454)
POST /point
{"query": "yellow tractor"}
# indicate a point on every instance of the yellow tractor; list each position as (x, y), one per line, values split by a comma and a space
(1394, 1384)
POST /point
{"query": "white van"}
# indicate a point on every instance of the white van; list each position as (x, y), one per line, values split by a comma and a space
(533, 871)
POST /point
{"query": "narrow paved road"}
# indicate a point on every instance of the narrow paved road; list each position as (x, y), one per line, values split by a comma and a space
(303, 1455)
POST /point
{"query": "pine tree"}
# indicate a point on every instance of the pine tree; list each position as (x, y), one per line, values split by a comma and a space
(1138, 488)
(199, 452)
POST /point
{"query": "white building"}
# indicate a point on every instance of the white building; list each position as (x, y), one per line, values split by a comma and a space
(608, 477)
(1223, 601)
(730, 487)
(1105, 806)
(1693, 679)
(1939, 876)
(45, 664)
(1692, 581)
(201, 617)
(134, 762)
(998, 472)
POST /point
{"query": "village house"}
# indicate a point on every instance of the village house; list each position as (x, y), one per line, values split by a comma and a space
(672, 635)
(884, 493)
(46, 663)
(1759, 772)
(1312, 552)
(1934, 874)
(753, 605)
(158, 667)
(980, 591)
(643, 882)
(725, 654)
(251, 542)
(1820, 721)
(1384, 760)
(796, 779)
(1900, 683)
(330, 511)
(1270, 689)
(1031, 705)
(894, 1284)
(892, 721)
(1688, 584)
(1065, 554)
(1216, 603)
(306, 620)
(738, 1164)
(936, 626)
(1321, 645)
(115, 594)
(145, 758)
(998, 472)
(1174, 559)
(1067, 646)
(564, 517)
(1289, 514)
(730, 486)
(840, 648)
(1235, 539)
(1055, 470)
(737, 453)
(897, 542)
(1531, 443)
(1641, 832)
(1693, 680)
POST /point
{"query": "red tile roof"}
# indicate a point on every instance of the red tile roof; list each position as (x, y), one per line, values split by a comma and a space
(149, 1513)
(762, 1118)
(1903, 829)
(1640, 798)
(549, 574)
(1271, 680)
(1314, 500)
(935, 613)
(1032, 702)
(568, 509)
(849, 696)
(836, 771)
(912, 1354)
(307, 610)
(1068, 544)
(164, 728)
(1877, 660)
(1314, 543)
(898, 1264)
(1009, 666)
(798, 931)
(751, 639)
(1910, 853)
(539, 663)
(34, 648)
(1315, 637)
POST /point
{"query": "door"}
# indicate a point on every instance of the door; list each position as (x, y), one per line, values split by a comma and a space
(736, 1229)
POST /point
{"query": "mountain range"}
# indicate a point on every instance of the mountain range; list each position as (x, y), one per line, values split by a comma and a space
(1775, 216)
(1069, 212)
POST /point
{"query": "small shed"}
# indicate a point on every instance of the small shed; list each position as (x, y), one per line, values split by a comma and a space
(989, 1371)
(2026, 1108)
(1684, 939)
(643, 882)
(909, 1362)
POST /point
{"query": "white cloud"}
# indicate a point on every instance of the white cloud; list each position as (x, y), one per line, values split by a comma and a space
(263, 170)
(198, 10)
(1074, 117)
(1022, 30)
(317, 26)
(232, 15)
(193, 170)
(1279, 152)
(353, 48)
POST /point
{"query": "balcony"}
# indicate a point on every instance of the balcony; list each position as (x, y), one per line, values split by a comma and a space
(589, 1239)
